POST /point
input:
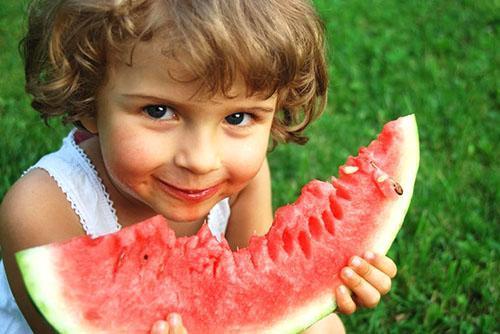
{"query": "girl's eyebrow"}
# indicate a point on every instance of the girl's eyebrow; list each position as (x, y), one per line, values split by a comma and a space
(174, 103)
(256, 109)
(145, 97)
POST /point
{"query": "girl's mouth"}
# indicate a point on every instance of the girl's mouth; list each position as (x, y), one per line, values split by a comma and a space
(191, 195)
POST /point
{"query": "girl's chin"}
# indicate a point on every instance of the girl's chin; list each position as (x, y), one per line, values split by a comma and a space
(183, 211)
(186, 221)
(185, 215)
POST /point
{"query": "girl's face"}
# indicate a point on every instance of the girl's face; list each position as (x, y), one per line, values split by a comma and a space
(167, 146)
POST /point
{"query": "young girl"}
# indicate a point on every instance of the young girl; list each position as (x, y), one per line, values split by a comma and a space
(175, 104)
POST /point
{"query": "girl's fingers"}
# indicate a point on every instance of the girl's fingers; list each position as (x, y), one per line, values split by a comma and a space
(344, 300)
(160, 327)
(382, 263)
(364, 291)
(175, 324)
(372, 275)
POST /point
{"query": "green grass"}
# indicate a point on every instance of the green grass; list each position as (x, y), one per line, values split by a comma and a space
(437, 59)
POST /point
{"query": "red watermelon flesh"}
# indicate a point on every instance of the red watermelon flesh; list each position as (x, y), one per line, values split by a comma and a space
(281, 283)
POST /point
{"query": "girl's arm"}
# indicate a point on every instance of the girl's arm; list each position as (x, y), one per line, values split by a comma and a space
(34, 212)
(251, 210)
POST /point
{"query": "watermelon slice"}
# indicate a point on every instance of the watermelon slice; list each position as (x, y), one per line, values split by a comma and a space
(281, 283)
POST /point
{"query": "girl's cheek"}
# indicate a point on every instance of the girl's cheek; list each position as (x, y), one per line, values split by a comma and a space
(129, 158)
(244, 162)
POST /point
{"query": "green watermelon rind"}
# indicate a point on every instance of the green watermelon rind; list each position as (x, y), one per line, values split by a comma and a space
(34, 264)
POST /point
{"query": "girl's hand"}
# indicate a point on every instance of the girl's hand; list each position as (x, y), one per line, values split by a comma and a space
(368, 279)
(173, 325)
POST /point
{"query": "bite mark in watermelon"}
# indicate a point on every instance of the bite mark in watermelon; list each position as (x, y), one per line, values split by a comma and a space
(281, 283)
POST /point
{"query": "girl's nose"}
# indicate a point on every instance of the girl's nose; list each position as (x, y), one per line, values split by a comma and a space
(198, 154)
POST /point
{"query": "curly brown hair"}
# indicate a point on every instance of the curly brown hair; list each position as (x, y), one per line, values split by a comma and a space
(277, 46)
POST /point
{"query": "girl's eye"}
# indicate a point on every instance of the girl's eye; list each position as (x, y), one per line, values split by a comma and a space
(159, 112)
(239, 118)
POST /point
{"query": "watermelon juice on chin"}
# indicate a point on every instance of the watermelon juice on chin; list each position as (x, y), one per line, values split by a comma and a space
(281, 283)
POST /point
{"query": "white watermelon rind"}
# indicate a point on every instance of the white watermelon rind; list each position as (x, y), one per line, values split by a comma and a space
(409, 162)
(298, 320)
(306, 316)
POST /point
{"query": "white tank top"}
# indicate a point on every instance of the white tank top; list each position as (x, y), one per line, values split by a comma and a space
(77, 177)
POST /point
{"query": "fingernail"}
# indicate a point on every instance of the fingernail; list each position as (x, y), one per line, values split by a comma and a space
(348, 272)
(174, 319)
(159, 327)
(343, 289)
(356, 261)
(369, 255)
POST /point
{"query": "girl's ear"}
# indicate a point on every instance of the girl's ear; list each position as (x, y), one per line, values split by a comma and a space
(88, 123)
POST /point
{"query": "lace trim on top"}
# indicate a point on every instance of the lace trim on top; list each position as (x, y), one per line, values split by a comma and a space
(69, 197)
(218, 218)
(50, 163)
(89, 163)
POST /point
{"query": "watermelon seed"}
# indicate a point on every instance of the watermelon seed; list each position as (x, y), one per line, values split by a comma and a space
(350, 169)
(383, 176)
(397, 187)
(119, 261)
(145, 256)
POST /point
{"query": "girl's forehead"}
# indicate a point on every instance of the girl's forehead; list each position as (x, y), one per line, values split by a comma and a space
(146, 67)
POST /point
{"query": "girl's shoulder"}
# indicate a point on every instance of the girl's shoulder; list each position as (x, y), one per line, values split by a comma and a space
(35, 211)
